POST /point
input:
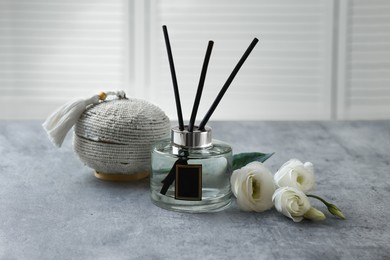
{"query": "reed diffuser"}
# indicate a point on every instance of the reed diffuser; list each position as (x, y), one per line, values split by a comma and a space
(191, 171)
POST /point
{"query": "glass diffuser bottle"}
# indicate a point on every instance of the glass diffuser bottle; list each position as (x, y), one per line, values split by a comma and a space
(191, 172)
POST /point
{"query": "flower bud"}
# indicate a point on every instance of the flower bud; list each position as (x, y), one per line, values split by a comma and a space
(335, 211)
(314, 214)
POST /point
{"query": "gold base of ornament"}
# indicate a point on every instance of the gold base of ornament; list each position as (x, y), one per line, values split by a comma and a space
(121, 177)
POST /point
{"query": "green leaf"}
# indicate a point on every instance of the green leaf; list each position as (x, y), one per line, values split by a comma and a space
(242, 159)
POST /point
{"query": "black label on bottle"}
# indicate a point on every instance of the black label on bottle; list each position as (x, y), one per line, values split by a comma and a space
(188, 183)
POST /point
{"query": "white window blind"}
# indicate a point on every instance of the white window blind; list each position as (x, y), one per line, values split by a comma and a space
(52, 51)
(364, 80)
(288, 75)
(325, 59)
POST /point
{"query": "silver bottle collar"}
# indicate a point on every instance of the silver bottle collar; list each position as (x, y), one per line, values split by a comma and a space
(195, 139)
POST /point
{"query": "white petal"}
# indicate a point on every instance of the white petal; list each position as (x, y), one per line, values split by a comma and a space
(243, 199)
(277, 199)
(309, 166)
(307, 182)
(297, 219)
(281, 176)
(249, 188)
(297, 177)
(254, 166)
(291, 164)
(234, 181)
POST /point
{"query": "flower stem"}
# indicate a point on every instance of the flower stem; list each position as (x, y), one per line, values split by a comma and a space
(319, 198)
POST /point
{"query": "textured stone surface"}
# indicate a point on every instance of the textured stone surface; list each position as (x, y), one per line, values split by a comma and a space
(52, 207)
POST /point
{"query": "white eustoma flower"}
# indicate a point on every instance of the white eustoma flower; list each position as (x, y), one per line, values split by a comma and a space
(291, 202)
(253, 186)
(296, 174)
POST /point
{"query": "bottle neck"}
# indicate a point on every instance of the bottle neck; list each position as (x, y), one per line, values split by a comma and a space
(195, 139)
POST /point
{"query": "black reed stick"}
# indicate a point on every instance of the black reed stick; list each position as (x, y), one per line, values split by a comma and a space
(200, 86)
(227, 84)
(174, 80)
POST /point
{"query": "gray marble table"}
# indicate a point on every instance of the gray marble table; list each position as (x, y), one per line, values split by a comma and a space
(52, 207)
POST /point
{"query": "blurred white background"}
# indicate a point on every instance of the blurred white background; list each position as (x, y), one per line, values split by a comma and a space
(326, 59)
